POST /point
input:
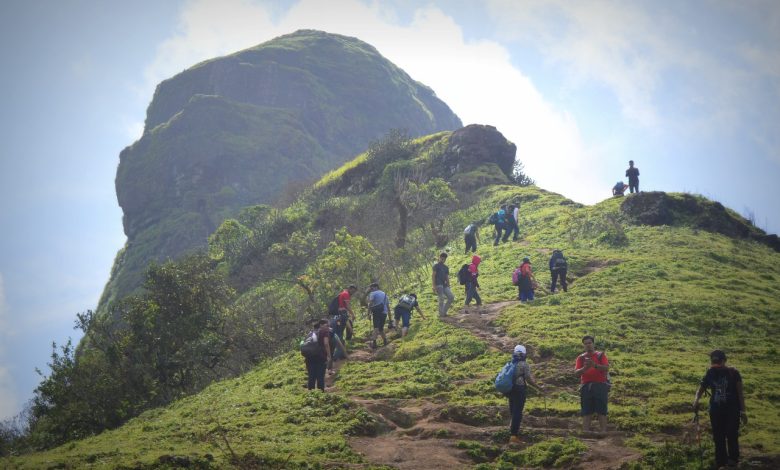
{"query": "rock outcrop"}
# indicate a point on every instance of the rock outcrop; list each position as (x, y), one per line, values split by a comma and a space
(240, 130)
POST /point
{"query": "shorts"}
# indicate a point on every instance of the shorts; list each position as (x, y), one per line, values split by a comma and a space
(404, 315)
(379, 317)
(593, 398)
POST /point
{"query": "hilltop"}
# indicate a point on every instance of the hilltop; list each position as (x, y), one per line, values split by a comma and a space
(250, 128)
(658, 296)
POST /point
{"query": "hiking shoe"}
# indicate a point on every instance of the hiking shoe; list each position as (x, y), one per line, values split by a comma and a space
(515, 440)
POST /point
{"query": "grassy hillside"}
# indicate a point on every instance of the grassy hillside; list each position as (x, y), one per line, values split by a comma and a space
(657, 299)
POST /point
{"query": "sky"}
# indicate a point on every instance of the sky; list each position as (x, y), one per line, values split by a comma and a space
(689, 90)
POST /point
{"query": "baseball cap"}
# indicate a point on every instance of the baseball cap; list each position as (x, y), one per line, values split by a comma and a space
(519, 349)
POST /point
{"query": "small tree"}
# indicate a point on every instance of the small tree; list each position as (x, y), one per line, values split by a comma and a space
(518, 175)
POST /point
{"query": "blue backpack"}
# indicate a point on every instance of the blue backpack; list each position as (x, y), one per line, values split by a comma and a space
(506, 378)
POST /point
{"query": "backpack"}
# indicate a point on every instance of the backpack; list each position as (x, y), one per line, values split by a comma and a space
(493, 219)
(560, 262)
(310, 347)
(516, 277)
(501, 216)
(506, 378)
(464, 275)
(333, 306)
(406, 302)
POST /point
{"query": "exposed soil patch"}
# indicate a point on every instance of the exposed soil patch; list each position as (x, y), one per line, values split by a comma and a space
(421, 434)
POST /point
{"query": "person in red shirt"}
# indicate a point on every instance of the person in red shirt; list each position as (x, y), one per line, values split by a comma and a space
(345, 298)
(592, 367)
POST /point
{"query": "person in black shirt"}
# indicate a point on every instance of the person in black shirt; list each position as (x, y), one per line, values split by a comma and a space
(441, 284)
(633, 177)
(727, 407)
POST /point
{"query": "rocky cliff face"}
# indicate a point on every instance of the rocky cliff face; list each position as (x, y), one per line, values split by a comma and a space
(236, 130)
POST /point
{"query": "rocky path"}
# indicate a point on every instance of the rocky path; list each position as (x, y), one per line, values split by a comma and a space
(423, 434)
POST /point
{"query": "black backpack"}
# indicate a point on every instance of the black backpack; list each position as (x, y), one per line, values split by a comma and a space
(560, 263)
(464, 275)
(333, 306)
(310, 347)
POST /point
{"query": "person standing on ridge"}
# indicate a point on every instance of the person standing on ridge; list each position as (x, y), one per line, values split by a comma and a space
(727, 407)
(379, 306)
(440, 279)
(403, 311)
(592, 367)
(558, 268)
(633, 177)
(473, 284)
(519, 392)
(471, 236)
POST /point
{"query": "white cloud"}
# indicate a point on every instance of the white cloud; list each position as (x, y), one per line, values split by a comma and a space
(475, 78)
(702, 68)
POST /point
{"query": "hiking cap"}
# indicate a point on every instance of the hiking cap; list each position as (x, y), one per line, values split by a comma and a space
(519, 349)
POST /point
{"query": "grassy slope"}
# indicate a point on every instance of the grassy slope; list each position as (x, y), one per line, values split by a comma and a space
(657, 299)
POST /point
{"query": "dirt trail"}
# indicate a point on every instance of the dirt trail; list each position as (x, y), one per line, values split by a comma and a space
(423, 434)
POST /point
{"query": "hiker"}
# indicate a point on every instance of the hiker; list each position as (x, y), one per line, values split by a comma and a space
(592, 367)
(511, 223)
(440, 279)
(379, 307)
(471, 236)
(472, 284)
(727, 407)
(619, 188)
(315, 365)
(403, 311)
(558, 268)
(522, 377)
(633, 177)
(525, 280)
(345, 308)
(498, 219)
(338, 350)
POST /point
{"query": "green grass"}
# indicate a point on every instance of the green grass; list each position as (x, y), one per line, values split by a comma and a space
(657, 299)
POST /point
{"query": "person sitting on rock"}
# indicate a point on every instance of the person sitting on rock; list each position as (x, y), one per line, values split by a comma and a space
(619, 189)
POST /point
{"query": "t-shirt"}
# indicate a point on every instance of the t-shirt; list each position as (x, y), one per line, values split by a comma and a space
(470, 230)
(592, 374)
(522, 373)
(378, 297)
(441, 274)
(344, 297)
(322, 333)
(722, 382)
(632, 173)
(525, 270)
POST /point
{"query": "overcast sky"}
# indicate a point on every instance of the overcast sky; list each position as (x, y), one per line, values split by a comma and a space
(689, 90)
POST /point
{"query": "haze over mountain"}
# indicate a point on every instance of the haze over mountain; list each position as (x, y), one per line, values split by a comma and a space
(237, 130)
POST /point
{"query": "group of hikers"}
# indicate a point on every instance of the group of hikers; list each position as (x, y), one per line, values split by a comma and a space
(326, 342)
(724, 384)
(632, 173)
